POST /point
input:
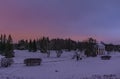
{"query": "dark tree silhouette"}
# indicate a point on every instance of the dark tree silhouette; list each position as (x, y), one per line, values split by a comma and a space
(90, 47)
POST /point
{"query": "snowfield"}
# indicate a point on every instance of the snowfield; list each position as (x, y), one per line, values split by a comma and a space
(61, 68)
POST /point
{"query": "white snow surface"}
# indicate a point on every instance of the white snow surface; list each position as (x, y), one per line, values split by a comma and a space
(59, 68)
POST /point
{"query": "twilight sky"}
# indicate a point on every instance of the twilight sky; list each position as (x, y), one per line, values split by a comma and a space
(76, 19)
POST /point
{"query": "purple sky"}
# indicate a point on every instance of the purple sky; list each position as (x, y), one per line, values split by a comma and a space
(76, 19)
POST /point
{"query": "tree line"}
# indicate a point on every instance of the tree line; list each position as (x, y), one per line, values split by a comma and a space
(45, 44)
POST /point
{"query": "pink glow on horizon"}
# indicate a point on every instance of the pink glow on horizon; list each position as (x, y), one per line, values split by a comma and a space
(75, 19)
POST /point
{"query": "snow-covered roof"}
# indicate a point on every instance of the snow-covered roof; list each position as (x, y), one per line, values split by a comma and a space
(100, 45)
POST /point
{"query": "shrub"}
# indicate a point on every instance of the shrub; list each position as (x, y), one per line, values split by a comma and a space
(6, 62)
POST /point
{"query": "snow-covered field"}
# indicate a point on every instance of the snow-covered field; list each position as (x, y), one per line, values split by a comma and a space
(61, 68)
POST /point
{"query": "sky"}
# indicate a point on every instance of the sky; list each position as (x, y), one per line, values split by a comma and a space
(75, 19)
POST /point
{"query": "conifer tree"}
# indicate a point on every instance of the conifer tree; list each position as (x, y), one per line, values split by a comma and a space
(44, 44)
(90, 47)
(9, 47)
(1, 49)
(26, 44)
(34, 47)
(30, 45)
(4, 40)
(2, 43)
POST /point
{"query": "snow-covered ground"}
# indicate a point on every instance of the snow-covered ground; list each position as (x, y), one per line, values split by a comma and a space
(60, 68)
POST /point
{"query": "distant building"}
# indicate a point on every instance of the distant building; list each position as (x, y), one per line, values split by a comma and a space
(100, 49)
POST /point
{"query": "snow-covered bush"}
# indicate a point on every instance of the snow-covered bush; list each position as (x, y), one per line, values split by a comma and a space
(6, 62)
(59, 53)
